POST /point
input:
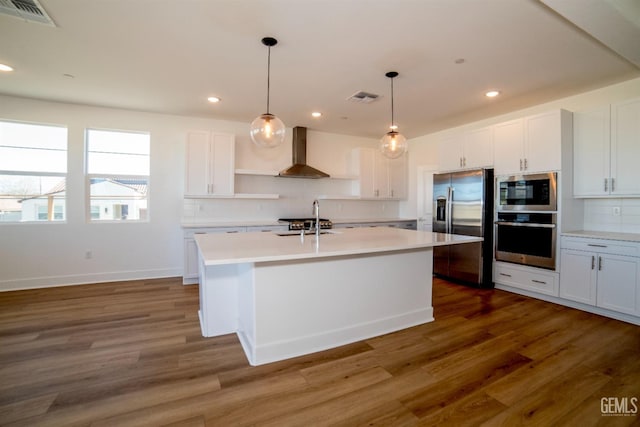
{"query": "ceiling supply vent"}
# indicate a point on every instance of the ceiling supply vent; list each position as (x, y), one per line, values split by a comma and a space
(29, 10)
(363, 97)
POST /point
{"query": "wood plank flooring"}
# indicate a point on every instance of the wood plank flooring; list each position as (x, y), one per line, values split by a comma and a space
(131, 353)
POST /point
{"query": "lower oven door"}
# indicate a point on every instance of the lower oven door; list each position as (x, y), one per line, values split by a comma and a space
(526, 243)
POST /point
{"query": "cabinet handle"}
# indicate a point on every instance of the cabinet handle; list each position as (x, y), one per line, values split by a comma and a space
(613, 185)
(391, 193)
(606, 186)
(377, 193)
(538, 281)
(593, 262)
(520, 164)
(596, 246)
(464, 159)
(505, 274)
(526, 166)
(599, 263)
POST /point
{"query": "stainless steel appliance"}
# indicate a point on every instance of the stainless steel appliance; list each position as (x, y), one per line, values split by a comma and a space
(526, 238)
(297, 224)
(463, 204)
(532, 192)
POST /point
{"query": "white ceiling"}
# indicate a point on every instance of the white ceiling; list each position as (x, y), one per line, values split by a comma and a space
(167, 56)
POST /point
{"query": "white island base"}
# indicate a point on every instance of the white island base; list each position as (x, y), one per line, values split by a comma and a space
(314, 297)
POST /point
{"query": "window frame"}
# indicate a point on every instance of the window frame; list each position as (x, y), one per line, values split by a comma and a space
(40, 174)
(123, 177)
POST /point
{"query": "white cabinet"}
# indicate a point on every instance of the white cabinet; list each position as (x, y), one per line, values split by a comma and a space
(465, 150)
(210, 167)
(532, 144)
(606, 150)
(378, 177)
(527, 278)
(603, 273)
(190, 268)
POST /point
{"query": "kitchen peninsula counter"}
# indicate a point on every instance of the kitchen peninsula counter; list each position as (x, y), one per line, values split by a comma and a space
(285, 296)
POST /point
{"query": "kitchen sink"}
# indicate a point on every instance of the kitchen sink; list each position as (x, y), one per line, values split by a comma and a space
(306, 233)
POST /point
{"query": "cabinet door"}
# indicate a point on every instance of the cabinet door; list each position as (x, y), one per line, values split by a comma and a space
(198, 153)
(578, 276)
(363, 165)
(543, 138)
(591, 136)
(381, 175)
(478, 148)
(625, 148)
(398, 177)
(190, 259)
(450, 152)
(222, 166)
(617, 283)
(508, 142)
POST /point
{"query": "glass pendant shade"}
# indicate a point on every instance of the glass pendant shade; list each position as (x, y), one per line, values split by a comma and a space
(393, 145)
(267, 131)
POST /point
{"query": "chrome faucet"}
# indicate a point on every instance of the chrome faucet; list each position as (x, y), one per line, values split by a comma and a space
(316, 212)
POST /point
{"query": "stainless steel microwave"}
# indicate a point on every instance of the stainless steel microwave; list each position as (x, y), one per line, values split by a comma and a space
(530, 192)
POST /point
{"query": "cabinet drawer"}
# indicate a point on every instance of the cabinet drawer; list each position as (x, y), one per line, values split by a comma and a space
(528, 279)
(614, 247)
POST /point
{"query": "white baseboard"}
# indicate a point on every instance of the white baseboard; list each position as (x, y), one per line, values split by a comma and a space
(83, 279)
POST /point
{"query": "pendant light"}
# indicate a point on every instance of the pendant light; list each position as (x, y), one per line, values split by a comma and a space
(267, 130)
(393, 144)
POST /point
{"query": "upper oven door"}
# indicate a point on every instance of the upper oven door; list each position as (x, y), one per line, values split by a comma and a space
(533, 192)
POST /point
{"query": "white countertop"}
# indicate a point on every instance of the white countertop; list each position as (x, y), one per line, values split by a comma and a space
(626, 237)
(220, 249)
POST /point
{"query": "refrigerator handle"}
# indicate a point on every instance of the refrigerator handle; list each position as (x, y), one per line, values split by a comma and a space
(449, 200)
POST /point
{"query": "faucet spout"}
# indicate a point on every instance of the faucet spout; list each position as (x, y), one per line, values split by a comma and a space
(316, 212)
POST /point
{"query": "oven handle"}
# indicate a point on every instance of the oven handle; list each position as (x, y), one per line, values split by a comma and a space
(525, 224)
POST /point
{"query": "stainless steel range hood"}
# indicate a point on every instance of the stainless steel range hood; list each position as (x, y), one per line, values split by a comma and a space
(300, 169)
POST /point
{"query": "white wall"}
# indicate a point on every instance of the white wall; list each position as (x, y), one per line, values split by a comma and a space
(424, 151)
(49, 254)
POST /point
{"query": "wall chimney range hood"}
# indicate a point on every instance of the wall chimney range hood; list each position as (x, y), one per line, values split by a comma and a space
(300, 169)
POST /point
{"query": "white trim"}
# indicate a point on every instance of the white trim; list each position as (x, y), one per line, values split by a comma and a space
(84, 279)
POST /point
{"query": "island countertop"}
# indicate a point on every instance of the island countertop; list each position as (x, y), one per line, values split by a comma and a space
(221, 249)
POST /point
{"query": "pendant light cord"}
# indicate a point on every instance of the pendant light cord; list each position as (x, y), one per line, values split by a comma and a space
(392, 122)
(268, 77)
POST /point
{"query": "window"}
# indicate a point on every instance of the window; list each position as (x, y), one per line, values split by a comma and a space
(33, 171)
(117, 175)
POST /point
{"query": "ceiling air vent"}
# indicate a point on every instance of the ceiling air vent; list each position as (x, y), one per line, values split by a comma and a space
(29, 10)
(363, 97)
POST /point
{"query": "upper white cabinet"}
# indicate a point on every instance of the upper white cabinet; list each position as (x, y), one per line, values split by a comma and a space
(606, 150)
(532, 144)
(378, 177)
(210, 167)
(591, 151)
(465, 150)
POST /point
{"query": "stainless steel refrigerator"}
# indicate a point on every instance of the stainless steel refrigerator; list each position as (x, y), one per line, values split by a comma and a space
(463, 204)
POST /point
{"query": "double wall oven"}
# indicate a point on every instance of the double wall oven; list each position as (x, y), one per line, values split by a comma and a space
(526, 213)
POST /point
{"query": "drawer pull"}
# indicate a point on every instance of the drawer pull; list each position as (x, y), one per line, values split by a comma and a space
(505, 274)
(596, 246)
(538, 281)
(593, 262)
(599, 263)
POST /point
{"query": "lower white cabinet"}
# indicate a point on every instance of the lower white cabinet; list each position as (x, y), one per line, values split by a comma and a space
(190, 268)
(526, 278)
(602, 273)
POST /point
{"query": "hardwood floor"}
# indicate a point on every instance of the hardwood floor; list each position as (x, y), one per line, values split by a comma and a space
(131, 353)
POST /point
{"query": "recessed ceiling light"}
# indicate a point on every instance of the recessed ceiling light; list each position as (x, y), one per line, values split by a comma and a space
(492, 93)
(316, 114)
(213, 99)
(4, 67)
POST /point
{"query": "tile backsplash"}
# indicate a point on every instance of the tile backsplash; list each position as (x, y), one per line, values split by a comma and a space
(615, 215)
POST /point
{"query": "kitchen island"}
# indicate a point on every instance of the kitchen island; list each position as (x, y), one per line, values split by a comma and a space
(289, 295)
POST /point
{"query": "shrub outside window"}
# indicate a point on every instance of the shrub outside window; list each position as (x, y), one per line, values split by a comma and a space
(33, 171)
(117, 167)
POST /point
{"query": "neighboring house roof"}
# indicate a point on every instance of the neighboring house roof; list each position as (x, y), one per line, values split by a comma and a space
(137, 185)
(9, 204)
